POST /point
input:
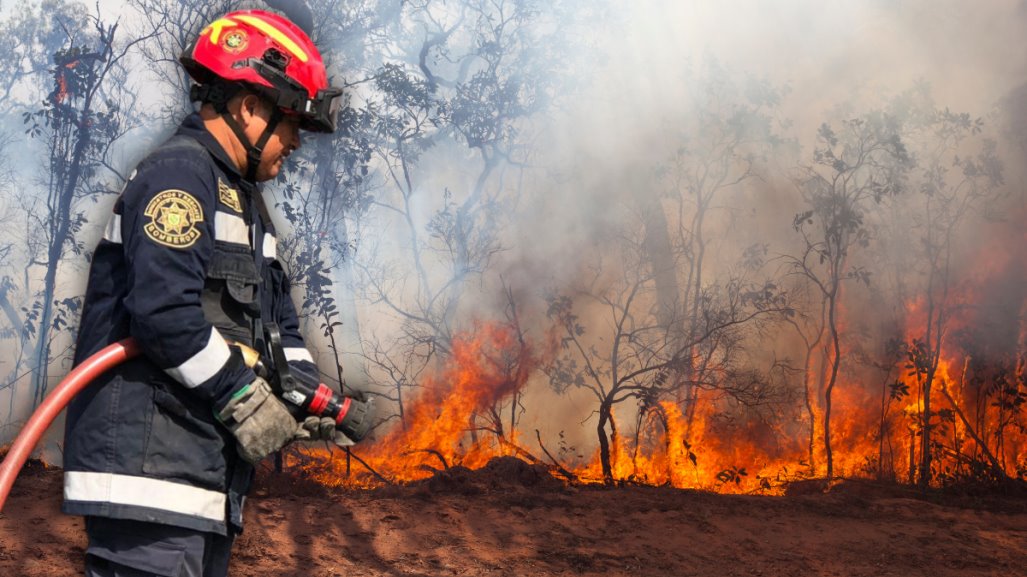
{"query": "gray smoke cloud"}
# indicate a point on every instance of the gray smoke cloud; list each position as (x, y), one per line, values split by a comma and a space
(628, 103)
(829, 61)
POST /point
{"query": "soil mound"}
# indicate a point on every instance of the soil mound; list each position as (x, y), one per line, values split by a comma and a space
(500, 473)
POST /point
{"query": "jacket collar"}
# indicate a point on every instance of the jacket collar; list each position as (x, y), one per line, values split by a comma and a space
(193, 127)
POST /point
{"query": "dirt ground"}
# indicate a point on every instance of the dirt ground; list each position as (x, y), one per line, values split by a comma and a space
(512, 519)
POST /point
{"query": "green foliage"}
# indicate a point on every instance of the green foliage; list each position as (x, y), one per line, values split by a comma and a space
(30, 35)
(408, 115)
(763, 297)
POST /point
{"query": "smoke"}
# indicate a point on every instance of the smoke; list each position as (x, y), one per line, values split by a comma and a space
(630, 89)
(851, 54)
(828, 61)
(638, 97)
(633, 93)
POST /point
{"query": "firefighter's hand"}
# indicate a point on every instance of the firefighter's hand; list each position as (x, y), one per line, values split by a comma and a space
(260, 422)
(323, 429)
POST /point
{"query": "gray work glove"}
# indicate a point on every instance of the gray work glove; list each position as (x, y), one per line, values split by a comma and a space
(260, 422)
(323, 429)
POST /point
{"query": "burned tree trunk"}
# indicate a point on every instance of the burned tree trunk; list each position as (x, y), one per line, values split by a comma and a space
(836, 360)
(605, 459)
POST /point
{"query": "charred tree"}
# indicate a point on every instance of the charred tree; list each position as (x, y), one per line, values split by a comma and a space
(862, 164)
(811, 329)
(636, 357)
(960, 174)
(727, 131)
(458, 83)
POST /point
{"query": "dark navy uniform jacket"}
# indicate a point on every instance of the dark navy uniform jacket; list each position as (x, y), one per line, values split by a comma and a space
(178, 270)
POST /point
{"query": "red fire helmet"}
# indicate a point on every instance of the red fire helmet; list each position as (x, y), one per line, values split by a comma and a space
(270, 55)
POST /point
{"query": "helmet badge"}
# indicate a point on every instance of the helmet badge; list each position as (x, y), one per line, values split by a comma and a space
(235, 41)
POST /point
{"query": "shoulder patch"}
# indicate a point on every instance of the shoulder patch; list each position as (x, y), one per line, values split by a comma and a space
(173, 216)
(229, 196)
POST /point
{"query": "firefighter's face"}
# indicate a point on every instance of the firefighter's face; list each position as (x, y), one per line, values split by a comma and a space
(284, 140)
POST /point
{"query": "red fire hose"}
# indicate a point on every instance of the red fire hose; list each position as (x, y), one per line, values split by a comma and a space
(77, 380)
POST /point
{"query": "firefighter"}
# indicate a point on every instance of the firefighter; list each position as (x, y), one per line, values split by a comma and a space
(160, 452)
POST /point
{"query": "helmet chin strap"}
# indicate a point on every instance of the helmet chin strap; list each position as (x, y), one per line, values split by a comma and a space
(254, 150)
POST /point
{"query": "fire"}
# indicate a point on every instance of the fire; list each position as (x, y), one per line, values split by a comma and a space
(976, 423)
(478, 377)
(443, 426)
(978, 384)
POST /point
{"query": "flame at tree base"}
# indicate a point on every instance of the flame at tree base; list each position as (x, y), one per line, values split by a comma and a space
(455, 421)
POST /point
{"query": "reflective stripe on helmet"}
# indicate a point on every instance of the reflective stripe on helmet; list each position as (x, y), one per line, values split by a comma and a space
(275, 35)
(215, 28)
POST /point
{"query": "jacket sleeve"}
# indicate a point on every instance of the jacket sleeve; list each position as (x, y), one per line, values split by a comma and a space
(168, 232)
(296, 351)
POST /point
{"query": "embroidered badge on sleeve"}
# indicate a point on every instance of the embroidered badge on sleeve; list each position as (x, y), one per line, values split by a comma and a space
(173, 216)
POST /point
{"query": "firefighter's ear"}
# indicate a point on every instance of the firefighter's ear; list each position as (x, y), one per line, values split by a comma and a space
(249, 106)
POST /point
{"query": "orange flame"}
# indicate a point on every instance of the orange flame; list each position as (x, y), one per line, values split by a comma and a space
(445, 426)
(876, 420)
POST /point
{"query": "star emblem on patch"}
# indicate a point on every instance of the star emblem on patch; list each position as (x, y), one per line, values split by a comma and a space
(174, 218)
